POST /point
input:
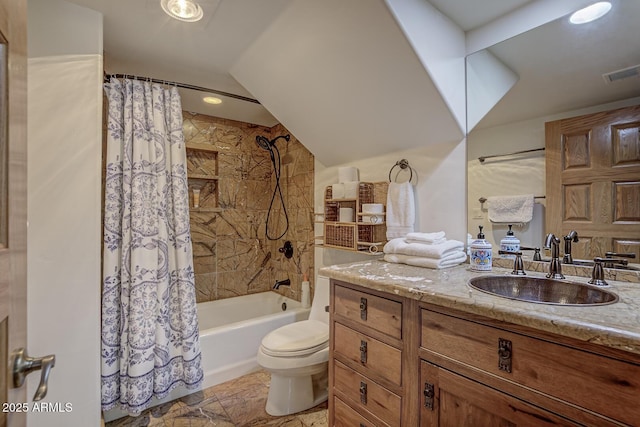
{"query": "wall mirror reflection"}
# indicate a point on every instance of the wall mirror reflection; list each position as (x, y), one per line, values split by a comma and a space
(4, 162)
(553, 72)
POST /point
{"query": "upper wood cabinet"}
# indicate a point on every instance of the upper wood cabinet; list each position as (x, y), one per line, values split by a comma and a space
(593, 181)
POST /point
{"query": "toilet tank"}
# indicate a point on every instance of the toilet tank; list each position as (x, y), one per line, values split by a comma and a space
(320, 300)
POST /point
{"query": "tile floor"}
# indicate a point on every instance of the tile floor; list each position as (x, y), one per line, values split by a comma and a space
(236, 403)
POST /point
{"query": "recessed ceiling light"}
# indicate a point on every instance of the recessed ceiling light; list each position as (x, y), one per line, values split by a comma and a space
(590, 13)
(212, 100)
(182, 10)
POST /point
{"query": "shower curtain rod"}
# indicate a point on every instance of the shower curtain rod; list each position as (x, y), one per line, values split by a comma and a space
(181, 85)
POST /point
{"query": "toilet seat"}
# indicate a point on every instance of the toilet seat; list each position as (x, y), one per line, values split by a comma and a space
(296, 339)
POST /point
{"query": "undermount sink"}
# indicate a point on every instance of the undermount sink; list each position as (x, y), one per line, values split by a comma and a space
(542, 290)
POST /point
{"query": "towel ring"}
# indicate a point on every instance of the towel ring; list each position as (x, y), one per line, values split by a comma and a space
(403, 164)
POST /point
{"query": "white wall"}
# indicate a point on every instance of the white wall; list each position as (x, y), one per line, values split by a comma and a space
(514, 175)
(343, 78)
(64, 179)
(444, 61)
(439, 192)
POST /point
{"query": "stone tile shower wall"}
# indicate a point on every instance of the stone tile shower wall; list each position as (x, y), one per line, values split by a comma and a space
(232, 255)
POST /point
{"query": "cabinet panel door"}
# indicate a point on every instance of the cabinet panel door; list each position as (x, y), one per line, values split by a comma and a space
(460, 402)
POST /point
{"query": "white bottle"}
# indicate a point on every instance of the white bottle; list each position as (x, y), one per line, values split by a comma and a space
(306, 292)
(480, 254)
(510, 243)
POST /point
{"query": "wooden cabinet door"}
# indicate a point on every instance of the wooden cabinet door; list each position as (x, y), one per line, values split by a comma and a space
(460, 402)
(593, 181)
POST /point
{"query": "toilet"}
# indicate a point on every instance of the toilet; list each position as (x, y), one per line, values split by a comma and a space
(297, 357)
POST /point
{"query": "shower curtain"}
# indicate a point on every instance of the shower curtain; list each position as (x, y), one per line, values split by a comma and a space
(150, 341)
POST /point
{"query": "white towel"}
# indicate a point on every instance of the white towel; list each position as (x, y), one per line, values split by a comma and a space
(400, 209)
(399, 246)
(427, 238)
(453, 259)
(511, 209)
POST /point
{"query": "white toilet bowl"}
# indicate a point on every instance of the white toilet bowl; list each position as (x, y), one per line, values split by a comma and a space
(297, 357)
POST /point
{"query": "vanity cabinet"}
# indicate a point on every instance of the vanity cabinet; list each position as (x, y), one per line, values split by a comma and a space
(520, 375)
(369, 383)
(397, 361)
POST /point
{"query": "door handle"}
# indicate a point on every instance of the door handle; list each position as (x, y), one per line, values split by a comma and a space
(22, 365)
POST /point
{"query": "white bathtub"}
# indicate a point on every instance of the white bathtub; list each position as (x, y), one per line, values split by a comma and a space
(231, 330)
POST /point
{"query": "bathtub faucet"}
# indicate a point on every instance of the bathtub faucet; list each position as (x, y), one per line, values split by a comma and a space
(285, 282)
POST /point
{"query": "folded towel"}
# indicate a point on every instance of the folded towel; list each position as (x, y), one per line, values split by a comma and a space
(453, 259)
(399, 246)
(426, 238)
(400, 209)
(511, 209)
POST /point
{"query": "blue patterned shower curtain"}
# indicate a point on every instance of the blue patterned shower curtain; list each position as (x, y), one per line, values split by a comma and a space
(150, 340)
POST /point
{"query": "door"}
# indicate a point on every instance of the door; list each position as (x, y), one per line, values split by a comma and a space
(13, 205)
(451, 400)
(593, 181)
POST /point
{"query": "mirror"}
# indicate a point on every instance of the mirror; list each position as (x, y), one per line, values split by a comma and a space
(551, 72)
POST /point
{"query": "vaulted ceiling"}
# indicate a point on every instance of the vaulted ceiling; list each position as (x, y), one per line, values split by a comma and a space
(366, 77)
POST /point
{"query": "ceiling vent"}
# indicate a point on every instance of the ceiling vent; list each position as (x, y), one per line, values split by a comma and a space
(625, 73)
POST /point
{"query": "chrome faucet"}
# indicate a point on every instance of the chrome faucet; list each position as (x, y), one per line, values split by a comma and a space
(572, 236)
(285, 282)
(555, 268)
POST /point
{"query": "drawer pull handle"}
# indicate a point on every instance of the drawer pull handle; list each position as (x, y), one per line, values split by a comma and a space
(504, 355)
(362, 425)
(363, 392)
(428, 396)
(363, 309)
(363, 351)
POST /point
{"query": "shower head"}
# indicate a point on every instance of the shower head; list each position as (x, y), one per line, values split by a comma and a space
(265, 144)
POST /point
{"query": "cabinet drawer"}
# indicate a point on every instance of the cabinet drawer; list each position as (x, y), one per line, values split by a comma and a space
(371, 396)
(374, 312)
(345, 416)
(603, 384)
(375, 356)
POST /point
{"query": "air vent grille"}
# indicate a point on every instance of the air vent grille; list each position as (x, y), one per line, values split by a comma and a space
(625, 73)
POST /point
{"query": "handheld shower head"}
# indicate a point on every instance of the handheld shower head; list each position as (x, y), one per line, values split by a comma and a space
(265, 144)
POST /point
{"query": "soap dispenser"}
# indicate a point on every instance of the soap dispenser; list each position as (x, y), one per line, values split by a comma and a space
(480, 253)
(510, 243)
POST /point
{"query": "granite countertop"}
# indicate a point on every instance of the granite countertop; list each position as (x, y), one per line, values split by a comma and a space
(614, 325)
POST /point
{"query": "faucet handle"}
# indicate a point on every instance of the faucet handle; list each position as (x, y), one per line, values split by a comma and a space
(518, 265)
(597, 274)
(619, 255)
(536, 253)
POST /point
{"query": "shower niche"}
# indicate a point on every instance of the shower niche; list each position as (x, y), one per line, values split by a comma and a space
(202, 173)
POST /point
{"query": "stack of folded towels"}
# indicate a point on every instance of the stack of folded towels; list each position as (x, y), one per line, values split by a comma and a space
(430, 250)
